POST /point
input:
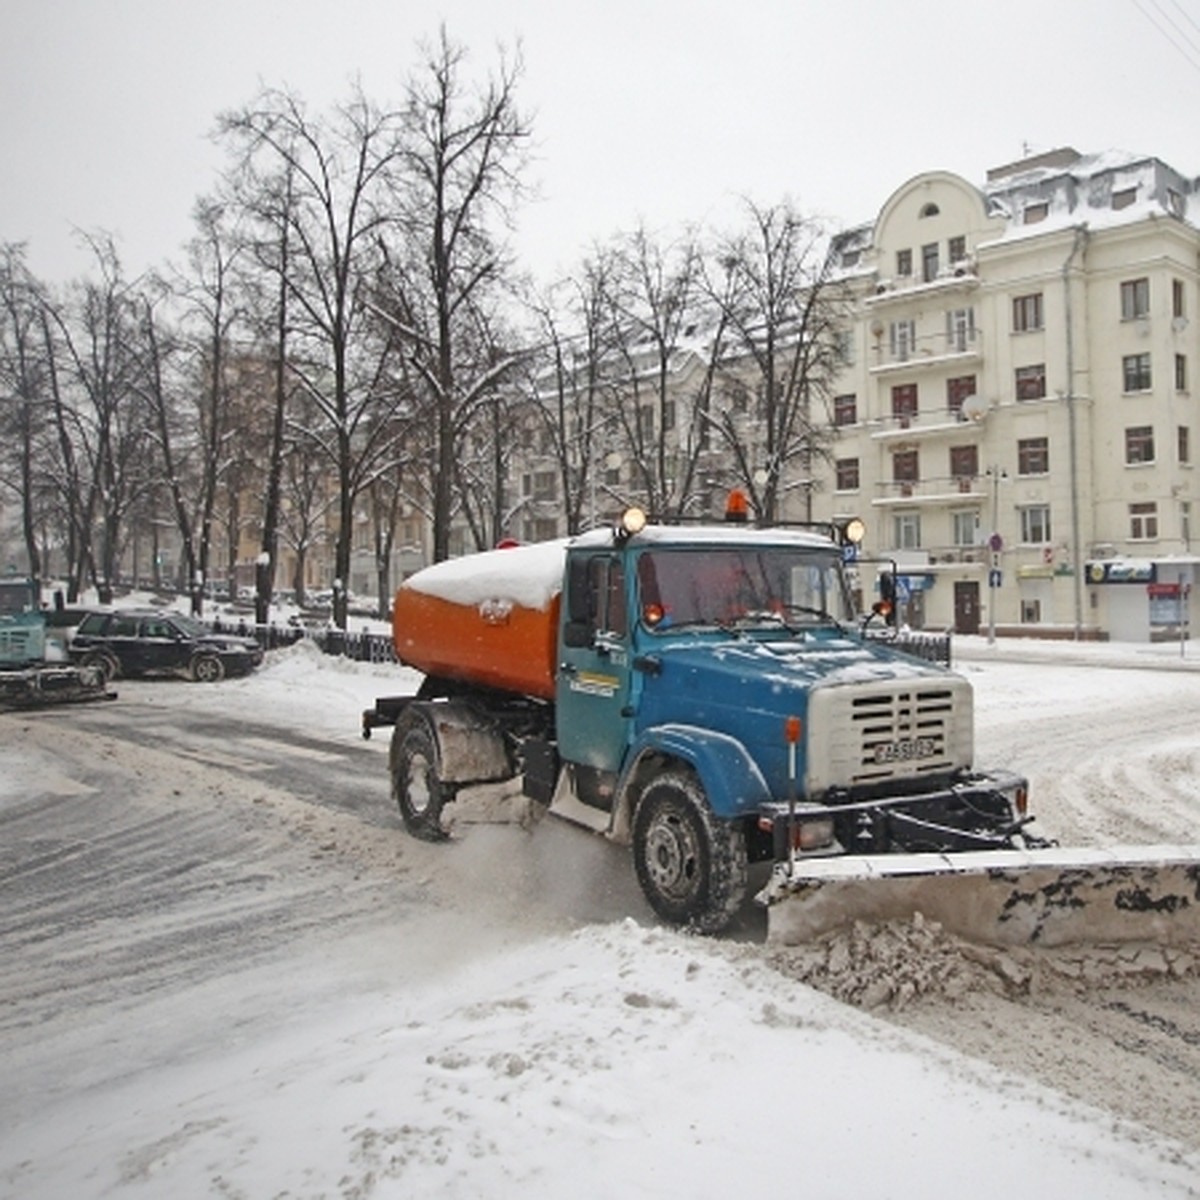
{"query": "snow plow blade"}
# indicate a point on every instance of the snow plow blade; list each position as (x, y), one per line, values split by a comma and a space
(1048, 897)
(37, 687)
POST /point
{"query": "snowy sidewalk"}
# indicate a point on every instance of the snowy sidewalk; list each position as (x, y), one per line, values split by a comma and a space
(1165, 656)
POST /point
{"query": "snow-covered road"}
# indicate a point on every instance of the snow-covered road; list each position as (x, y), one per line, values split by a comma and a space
(213, 983)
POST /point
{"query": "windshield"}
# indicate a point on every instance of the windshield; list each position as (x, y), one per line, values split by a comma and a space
(722, 586)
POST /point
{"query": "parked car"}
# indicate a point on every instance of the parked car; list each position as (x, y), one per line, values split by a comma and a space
(133, 642)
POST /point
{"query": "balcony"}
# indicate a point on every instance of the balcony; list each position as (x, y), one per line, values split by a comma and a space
(960, 489)
(960, 348)
(908, 426)
(959, 277)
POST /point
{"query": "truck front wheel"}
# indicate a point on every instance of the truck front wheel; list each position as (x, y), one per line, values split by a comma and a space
(691, 866)
(419, 790)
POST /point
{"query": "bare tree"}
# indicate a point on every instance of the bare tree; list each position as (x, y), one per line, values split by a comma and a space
(462, 154)
(565, 388)
(339, 209)
(775, 351)
(105, 459)
(22, 389)
(655, 315)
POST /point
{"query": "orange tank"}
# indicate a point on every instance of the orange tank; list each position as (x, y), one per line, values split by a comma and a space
(489, 619)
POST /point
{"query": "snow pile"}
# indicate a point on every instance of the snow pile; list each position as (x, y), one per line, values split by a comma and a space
(889, 965)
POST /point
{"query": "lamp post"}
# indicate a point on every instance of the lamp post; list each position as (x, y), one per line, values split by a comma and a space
(995, 545)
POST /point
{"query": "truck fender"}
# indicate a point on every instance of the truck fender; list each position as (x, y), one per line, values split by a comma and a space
(732, 781)
(469, 748)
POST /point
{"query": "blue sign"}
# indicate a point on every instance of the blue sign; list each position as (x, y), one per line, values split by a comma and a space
(994, 578)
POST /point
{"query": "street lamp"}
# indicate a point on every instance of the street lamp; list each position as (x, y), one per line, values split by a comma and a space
(995, 545)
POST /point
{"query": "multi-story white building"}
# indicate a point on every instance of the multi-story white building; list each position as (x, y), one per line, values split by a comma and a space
(1017, 421)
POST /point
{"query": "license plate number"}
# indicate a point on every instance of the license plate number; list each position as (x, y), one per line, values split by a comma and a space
(905, 751)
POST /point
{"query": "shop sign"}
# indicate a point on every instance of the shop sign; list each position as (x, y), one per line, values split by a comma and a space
(1122, 571)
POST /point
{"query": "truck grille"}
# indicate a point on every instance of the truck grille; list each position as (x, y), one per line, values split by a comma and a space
(867, 734)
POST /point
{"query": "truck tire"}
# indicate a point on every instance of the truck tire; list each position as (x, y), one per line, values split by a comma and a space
(419, 791)
(691, 866)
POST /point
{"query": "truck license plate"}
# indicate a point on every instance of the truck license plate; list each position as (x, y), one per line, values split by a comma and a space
(906, 750)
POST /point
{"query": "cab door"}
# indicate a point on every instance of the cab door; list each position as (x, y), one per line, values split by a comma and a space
(593, 683)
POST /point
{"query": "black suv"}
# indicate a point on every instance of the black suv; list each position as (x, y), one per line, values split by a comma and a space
(145, 642)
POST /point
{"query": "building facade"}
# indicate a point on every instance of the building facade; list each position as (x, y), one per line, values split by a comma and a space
(1016, 420)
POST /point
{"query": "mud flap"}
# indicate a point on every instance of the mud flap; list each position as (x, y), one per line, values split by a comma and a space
(1049, 897)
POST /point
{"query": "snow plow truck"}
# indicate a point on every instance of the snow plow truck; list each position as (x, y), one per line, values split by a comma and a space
(710, 696)
(34, 667)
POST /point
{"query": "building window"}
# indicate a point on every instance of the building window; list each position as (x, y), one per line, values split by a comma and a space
(1035, 213)
(956, 251)
(1135, 299)
(540, 529)
(906, 531)
(646, 422)
(1136, 369)
(1139, 444)
(1175, 204)
(1027, 313)
(964, 462)
(1035, 524)
(1143, 521)
(903, 340)
(960, 329)
(930, 210)
(668, 416)
(1183, 443)
(904, 402)
(906, 468)
(545, 485)
(1031, 612)
(1033, 456)
(845, 409)
(1181, 372)
(1177, 308)
(1185, 523)
(1031, 382)
(929, 262)
(903, 263)
(966, 527)
(847, 474)
(957, 390)
(1124, 198)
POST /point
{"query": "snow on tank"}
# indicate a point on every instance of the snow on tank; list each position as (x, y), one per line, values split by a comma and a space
(489, 619)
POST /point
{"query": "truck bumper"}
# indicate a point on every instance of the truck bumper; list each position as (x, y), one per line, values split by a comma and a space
(976, 812)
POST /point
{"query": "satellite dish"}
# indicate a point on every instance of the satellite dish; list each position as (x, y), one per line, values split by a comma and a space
(974, 408)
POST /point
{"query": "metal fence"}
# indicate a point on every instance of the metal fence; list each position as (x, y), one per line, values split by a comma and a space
(378, 648)
(360, 647)
(932, 647)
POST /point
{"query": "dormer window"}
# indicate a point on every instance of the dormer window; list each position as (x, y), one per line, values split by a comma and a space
(930, 210)
(1124, 198)
(1036, 212)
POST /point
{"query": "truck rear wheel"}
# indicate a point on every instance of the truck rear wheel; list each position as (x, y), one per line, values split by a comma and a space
(419, 790)
(691, 866)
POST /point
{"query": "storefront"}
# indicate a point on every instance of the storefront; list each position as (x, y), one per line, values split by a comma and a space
(1143, 599)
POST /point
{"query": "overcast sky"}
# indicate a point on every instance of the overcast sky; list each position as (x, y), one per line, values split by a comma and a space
(662, 111)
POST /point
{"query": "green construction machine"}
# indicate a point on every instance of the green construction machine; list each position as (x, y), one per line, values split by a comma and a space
(34, 669)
